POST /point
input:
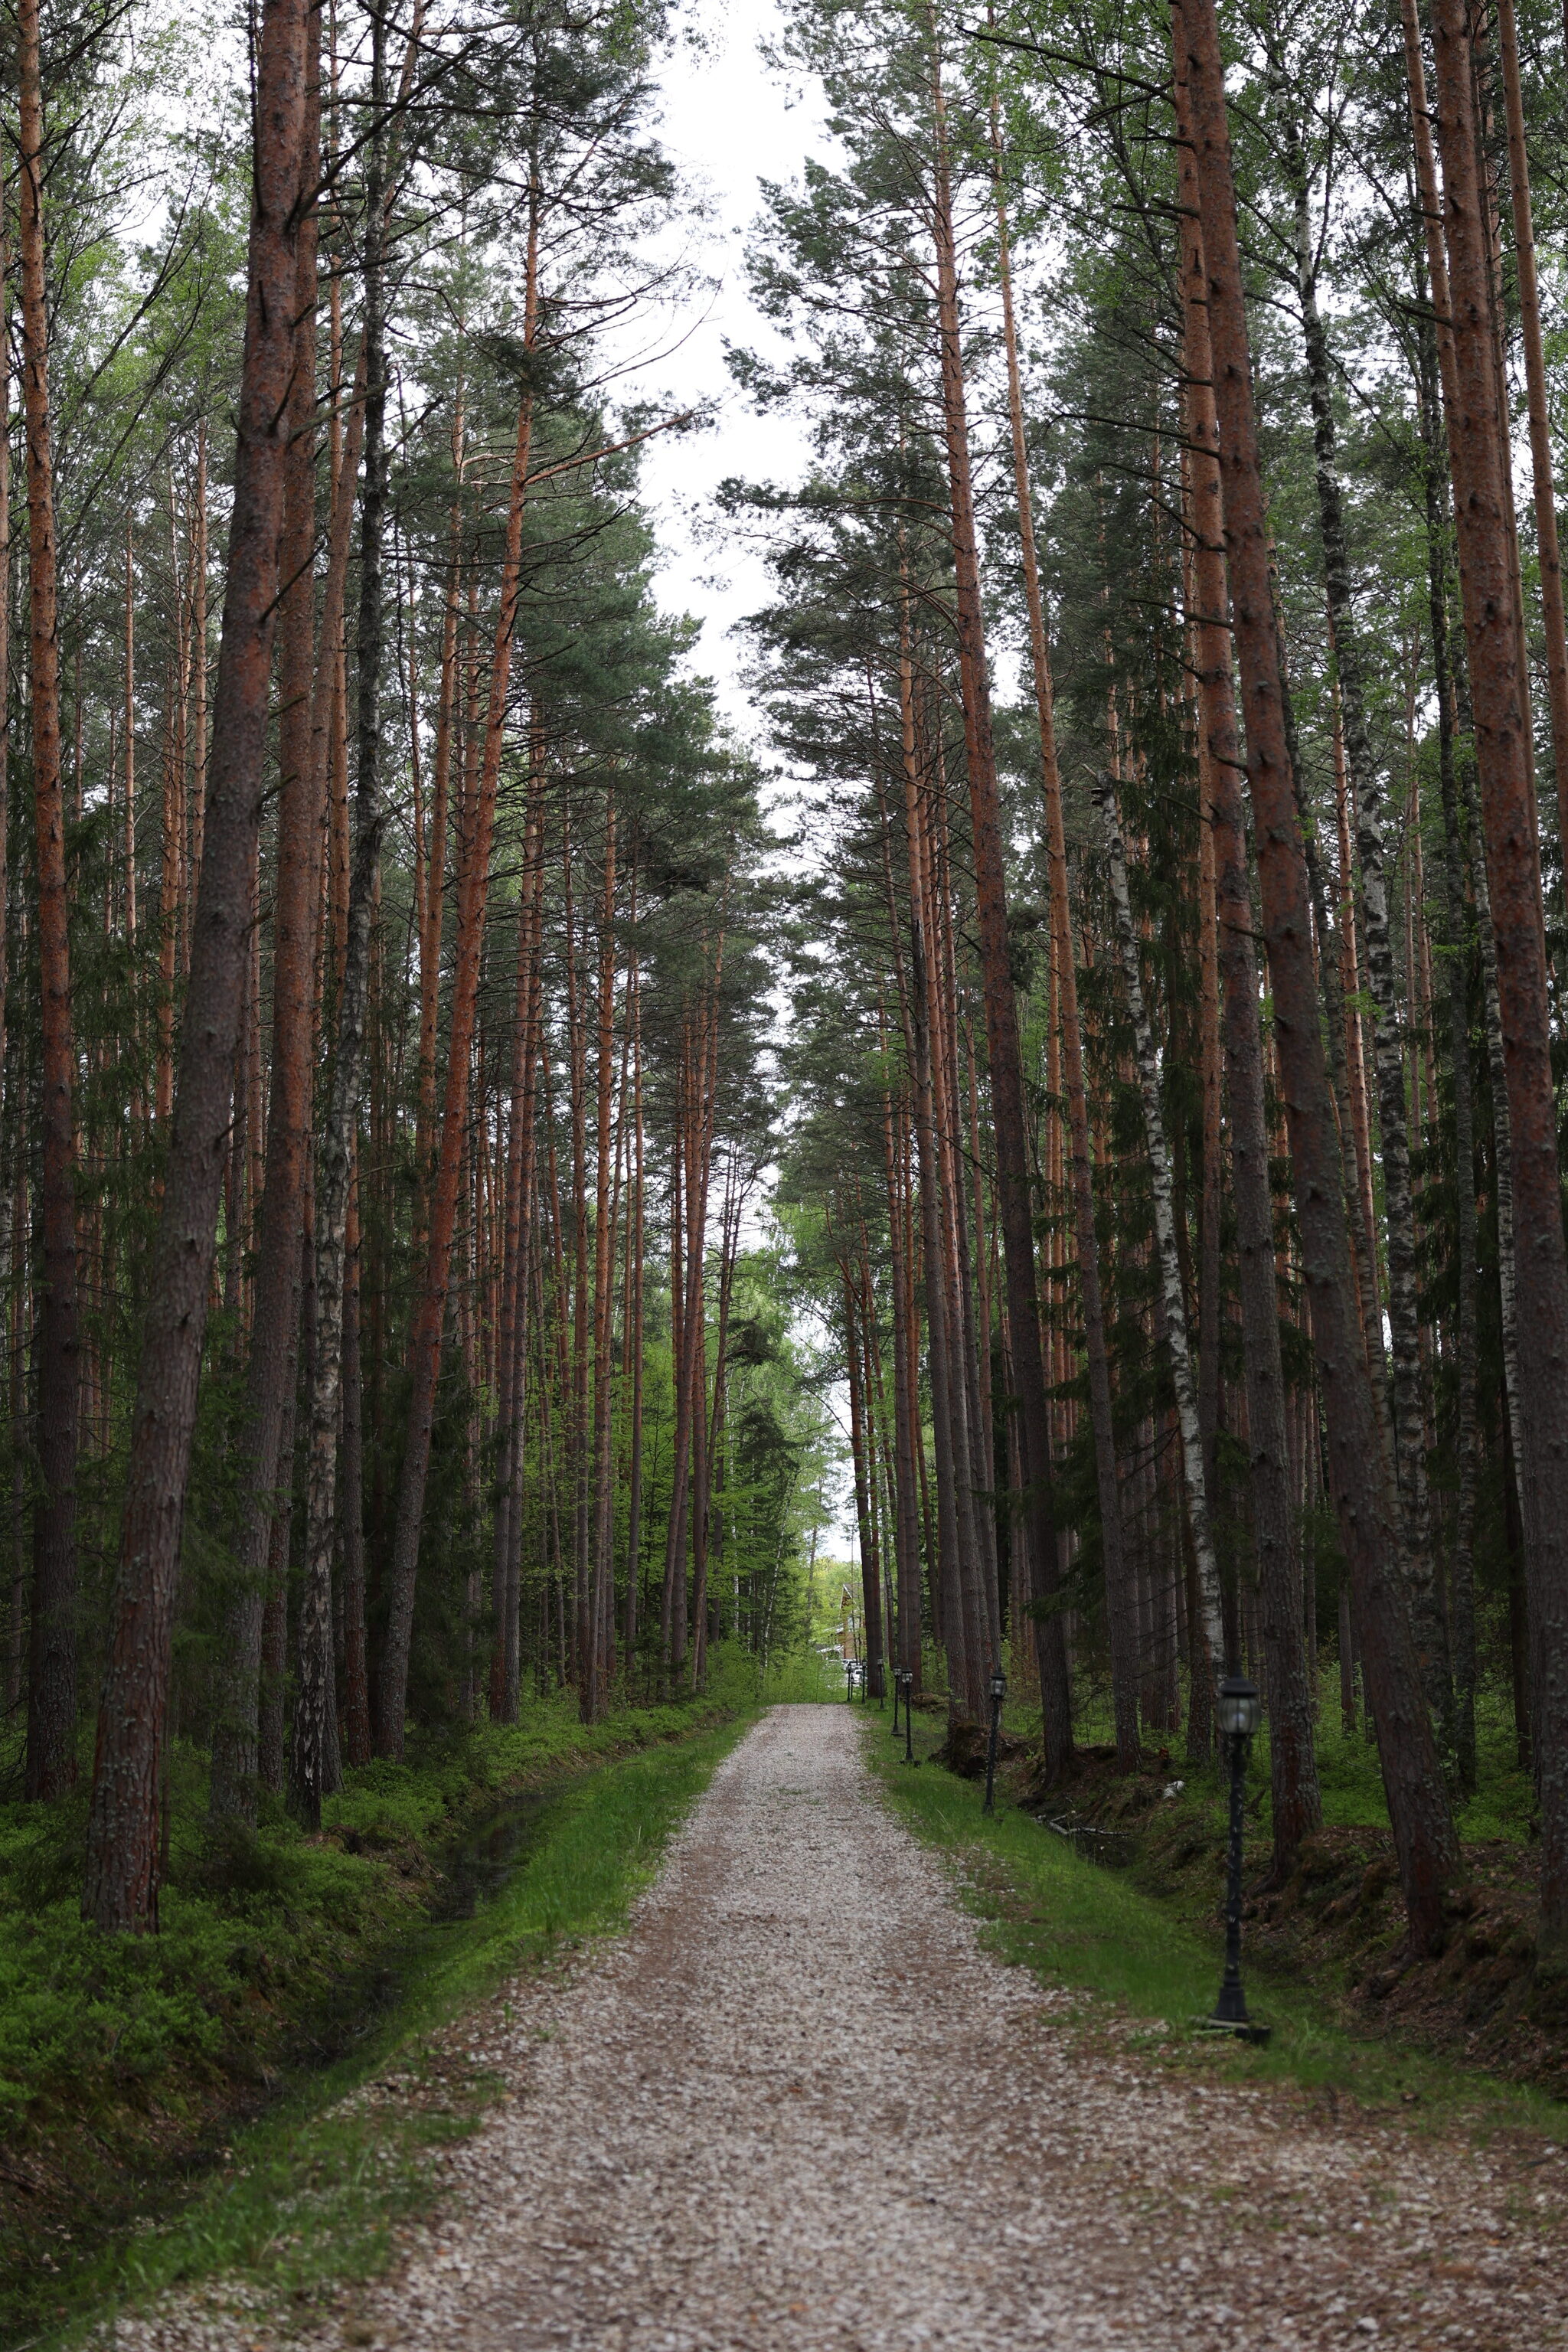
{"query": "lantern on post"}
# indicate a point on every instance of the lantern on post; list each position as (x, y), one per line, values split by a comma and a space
(998, 1688)
(1239, 1709)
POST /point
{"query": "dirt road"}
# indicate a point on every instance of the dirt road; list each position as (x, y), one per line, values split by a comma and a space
(799, 2109)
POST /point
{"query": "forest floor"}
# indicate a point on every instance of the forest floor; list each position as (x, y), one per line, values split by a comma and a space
(802, 2107)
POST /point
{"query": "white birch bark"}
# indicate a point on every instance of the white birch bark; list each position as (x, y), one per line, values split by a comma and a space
(1182, 1374)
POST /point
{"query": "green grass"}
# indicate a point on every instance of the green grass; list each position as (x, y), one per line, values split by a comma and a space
(255, 1928)
(799, 1676)
(1348, 1771)
(1093, 1930)
(310, 2195)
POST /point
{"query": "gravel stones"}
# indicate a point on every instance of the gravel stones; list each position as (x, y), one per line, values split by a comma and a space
(798, 2108)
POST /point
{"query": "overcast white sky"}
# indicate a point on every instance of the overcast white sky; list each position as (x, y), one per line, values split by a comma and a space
(728, 123)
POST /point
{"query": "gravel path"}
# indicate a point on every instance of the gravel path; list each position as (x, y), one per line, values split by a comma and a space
(799, 2109)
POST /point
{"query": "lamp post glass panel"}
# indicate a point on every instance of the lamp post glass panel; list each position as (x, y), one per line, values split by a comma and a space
(998, 1693)
(1239, 1710)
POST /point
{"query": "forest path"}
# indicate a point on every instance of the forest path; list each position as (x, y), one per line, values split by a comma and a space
(799, 2109)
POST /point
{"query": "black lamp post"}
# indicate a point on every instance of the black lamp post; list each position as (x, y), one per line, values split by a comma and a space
(907, 1676)
(1238, 1710)
(998, 1693)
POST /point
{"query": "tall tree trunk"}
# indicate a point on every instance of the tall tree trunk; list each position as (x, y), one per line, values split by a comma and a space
(356, 1741)
(1456, 862)
(1408, 1412)
(1547, 553)
(950, 1624)
(129, 744)
(1513, 873)
(1172, 1289)
(594, 1698)
(1054, 1684)
(52, 1656)
(1200, 1712)
(505, 1577)
(906, 1500)
(433, 910)
(314, 1763)
(681, 1436)
(265, 1481)
(870, 1576)
(1014, 1203)
(121, 1838)
(634, 1320)
(1419, 1807)
(966, 1665)
(425, 1347)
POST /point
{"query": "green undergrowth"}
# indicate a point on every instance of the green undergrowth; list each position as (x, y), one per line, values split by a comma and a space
(287, 1968)
(1350, 1778)
(1095, 1931)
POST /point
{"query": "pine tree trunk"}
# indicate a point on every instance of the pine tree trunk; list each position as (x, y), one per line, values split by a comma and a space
(505, 1577)
(1344, 1015)
(905, 1501)
(633, 1320)
(594, 1698)
(1403, 1319)
(130, 741)
(1547, 553)
(1053, 1652)
(917, 1023)
(266, 1480)
(710, 1472)
(870, 1578)
(672, 1656)
(1456, 862)
(1200, 1714)
(434, 912)
(966, 1664)
(1419, 1807)
(51, 1767)
(356, 1740)
(1014, 1203)
(1173, 1296)
(122, 1831)
(1513, 874)
(424, 1345)
(1463, 864)
(314, 1764)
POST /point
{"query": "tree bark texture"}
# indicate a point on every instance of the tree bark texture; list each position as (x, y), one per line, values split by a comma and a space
(119, 1890)
(1173, 1290)
(1367, 780)
(1013, 1186)
(266, 1480)
(1418, 1807)
(1513, 875)
(425, 1346)
(52, 1653)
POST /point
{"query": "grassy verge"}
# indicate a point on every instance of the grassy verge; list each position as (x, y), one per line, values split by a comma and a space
(252, 2001)
(1094, 1930)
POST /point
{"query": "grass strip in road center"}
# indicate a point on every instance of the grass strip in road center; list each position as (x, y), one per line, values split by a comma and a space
(310, 2195)
(1082, 1926)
